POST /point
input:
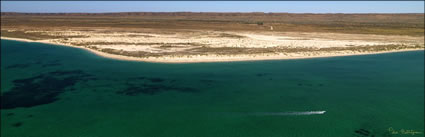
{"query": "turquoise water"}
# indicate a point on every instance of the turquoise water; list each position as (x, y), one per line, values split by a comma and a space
(56, 91)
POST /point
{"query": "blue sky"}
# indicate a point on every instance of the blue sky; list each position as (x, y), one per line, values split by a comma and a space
(216, 6)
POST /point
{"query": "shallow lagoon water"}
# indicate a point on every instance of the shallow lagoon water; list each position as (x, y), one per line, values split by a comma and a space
(51, 91)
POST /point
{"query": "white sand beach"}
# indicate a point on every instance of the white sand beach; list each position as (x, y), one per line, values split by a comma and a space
(181, 42)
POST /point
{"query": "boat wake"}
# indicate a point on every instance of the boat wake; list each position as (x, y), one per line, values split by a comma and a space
(290, 113)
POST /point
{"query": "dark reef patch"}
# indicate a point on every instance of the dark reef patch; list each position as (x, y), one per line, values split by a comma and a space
(207, 81)
(72, 72)
(37, 62)
(26, 65)
(50, 65)
(261, 74)
(17, 124)
(140, 78)
(40, 89)
(151, 86)
(18, 66)
(156, 79)
(145, 89)
(310, 85)
(10, 114)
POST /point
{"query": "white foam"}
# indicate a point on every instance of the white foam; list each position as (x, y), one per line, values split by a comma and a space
(290, 113)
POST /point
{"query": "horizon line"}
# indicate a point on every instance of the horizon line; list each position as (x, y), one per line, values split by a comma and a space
(210, 12)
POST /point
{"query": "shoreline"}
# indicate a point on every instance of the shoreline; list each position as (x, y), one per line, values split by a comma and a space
(208, 58)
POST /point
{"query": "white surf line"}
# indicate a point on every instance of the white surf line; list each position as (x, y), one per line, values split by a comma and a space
(289, 113)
